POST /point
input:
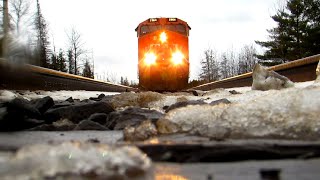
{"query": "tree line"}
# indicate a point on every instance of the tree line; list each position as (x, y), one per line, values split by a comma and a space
(296, 35)
(24, 37)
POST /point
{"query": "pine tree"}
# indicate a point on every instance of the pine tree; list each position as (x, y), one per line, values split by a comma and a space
(54, 62)
(61, 61)
(87, 70)
(297, 32)
(70, 62)
(42, 49)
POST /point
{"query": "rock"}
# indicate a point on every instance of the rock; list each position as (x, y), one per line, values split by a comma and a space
(76, 113)
(198, 92)
(220, 101)
(131, 116)
(266, 80)
(3, 113)
(70, 100)
(165, 126)
(142, 132)
(44, 127)
(19, 114)
(19, 107)
(61, 125)
(235, 92)
(75, 160)
(90, 125)
(184, 103)
(100, 118)
(99, 98)
(43, 104)
(62, 104)
(135, 99)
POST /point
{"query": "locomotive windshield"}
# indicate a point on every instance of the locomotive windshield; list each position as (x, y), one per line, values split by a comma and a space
(149, 28)
(176, 28)
(179, 28)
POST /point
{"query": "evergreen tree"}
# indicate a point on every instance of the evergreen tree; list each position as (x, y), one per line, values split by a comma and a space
(61, 61)
(297, 32)
(54, 62)
(42, 49)
(70, 62)
(87, 70)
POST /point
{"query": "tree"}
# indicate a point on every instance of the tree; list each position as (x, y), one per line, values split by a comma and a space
(42, 49)
(70, 62)
(54, 61)
(76, 48)
(87, 70)
(297, 32)
(224, 66)
(247, 59)
(20, 9)
(61, 62)
(209, 66)
(124, 81)
(4, 42)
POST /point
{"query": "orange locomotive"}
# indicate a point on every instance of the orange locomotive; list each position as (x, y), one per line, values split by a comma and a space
(163, 53)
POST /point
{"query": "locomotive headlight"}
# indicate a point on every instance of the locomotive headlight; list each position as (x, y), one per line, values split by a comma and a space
(149, 58)
(163, 37)
(177, 58)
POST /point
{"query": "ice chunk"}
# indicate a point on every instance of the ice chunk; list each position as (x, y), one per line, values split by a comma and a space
(290, 113)
(266, 80)
(75, 160)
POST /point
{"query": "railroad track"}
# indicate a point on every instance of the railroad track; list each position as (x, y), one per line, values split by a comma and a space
(22, 77)
(298, 71)
(29, 77)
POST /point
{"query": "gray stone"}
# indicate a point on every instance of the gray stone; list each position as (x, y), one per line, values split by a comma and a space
(22, 107)
(43, 104)
(144, 131)
(266, 80)
(183, 104)
(220, 101)
(131, 117)
(89, 125)
(100, 118)
(76, 113)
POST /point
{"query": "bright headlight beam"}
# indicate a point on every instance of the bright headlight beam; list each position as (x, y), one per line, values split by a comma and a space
(149, 58)
(177, 58)
(163, 37)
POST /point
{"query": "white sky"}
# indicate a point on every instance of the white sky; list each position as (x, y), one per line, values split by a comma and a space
(107, 27)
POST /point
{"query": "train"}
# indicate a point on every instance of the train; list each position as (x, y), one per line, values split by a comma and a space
(163, 54)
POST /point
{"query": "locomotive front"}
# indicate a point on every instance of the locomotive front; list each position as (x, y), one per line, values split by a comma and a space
(163, 54)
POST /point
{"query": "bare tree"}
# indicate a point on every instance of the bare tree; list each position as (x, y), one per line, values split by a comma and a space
(247, 59)
(76, 47)
(4, 43)
(19, 11)
(209, 66)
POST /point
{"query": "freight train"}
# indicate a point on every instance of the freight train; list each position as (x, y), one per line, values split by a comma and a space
(163, 54)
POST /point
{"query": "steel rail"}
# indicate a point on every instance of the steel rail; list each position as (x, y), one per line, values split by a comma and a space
(298, 71)
(28, 77)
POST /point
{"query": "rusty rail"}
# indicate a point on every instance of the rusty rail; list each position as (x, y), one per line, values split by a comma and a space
(298, 71)
(29, 77)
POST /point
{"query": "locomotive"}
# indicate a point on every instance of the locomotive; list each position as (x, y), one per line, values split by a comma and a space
(163, 54)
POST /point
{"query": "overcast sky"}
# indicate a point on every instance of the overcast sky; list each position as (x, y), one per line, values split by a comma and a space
(107, 27)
